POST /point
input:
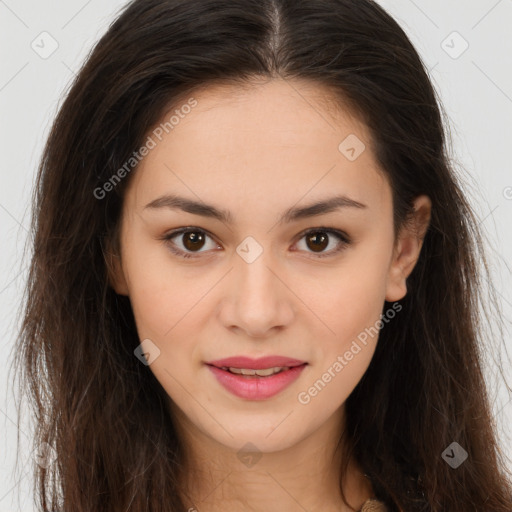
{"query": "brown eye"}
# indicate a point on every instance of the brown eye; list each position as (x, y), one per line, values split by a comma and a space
(193, 240)
(317, 241)
(187, 241)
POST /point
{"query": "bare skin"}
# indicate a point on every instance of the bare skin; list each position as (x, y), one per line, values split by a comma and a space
(257, 152)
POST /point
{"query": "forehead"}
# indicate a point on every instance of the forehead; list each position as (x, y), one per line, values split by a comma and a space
(271, 141)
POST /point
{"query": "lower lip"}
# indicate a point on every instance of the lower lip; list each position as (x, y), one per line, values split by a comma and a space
(256, 388)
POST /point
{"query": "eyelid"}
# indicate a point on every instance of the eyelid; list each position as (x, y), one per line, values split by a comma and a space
(344, 240)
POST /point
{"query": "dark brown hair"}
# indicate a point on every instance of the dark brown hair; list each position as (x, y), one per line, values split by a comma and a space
(95, 403)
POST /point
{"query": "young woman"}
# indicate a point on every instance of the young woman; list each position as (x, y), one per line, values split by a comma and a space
(255, 281)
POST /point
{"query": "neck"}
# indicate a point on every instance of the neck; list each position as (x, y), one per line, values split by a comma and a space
(305, 476)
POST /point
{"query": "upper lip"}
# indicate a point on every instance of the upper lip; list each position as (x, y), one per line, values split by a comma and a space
(261, 363)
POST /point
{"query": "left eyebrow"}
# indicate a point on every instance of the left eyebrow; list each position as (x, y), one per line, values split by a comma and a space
(292, 214)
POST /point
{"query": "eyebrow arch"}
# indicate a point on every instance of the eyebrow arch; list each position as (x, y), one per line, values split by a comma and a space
(292, 214)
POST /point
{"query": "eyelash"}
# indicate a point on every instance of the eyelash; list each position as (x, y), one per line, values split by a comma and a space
(343, 238)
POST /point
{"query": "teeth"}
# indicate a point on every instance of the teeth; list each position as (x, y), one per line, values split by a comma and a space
(261, 373)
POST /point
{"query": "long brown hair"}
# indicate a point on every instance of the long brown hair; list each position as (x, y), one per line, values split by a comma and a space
(95, 403)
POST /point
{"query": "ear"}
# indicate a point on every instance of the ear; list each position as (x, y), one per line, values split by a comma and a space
(116, 277)
(407, 249)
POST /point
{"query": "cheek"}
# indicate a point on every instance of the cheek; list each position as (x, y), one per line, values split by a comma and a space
(352, 309)
(167, 310)
(354, 297)
(159, 294)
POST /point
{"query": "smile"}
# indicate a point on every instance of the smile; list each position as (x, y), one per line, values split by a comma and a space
(256, 384)
(259, 373)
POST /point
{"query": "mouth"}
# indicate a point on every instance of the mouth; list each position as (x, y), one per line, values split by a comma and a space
(247, 372)
(256, 379)
(262, 363)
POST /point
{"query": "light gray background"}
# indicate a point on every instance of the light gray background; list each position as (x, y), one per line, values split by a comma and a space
(475, 88)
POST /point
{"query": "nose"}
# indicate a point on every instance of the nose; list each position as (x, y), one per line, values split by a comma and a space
(258, 301)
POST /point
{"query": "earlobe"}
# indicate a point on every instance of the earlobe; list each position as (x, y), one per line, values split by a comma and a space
(408, 248)
(115, 273)
(116, 277)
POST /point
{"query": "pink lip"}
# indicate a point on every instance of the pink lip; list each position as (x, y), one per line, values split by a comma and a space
(252, 387)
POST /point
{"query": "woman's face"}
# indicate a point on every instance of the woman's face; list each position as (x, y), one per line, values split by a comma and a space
(261, 272)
